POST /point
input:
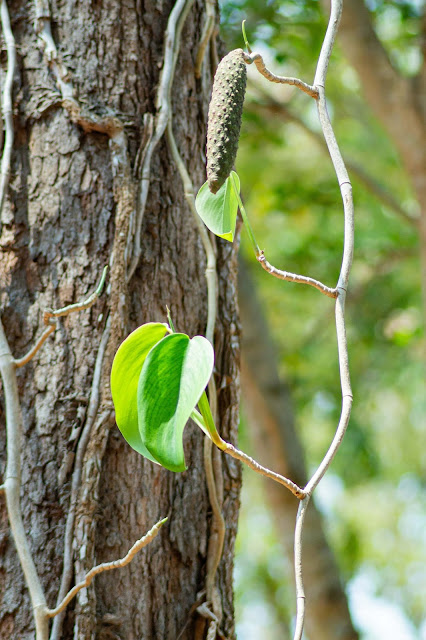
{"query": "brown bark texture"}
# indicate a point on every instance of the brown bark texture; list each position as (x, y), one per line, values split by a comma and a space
(275, 442)
(59, 229)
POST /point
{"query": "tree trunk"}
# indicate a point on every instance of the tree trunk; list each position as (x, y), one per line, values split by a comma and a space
(70, 210)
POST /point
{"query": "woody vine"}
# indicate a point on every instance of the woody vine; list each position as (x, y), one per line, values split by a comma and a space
(159, 376)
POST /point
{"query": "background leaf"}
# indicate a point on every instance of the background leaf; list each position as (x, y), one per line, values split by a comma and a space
(173, 377)
(219, 211)
(125, 372)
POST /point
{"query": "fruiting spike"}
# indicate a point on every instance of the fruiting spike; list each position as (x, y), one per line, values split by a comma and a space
(225, 113)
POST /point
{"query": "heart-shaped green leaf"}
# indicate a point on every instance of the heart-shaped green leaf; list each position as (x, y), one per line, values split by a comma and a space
(219, 211)
(173, 377)
(125, 372)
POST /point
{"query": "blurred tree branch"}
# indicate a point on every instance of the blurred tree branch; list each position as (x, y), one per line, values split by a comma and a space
(397, 101)
(267, 105)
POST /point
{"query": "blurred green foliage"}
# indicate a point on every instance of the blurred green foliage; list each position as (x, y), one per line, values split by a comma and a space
(294, 204)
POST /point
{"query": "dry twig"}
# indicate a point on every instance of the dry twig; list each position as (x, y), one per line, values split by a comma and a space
(49, 318)
(294, 277)
(107, 566)
(263, 471)
(261, 67)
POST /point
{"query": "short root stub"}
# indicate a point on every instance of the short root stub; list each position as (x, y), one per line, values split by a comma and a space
(225, 113)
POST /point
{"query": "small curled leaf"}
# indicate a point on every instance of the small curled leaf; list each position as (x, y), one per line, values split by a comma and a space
(219, 211)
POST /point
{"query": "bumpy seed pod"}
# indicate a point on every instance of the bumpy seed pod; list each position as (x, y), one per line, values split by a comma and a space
(225, 112)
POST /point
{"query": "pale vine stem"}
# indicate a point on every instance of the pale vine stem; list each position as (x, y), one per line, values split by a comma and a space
(273, 271)
(260, 66)
(212, 467)
(206, 35)
(318, 92)
(8, 366)
(347, 397)
(7, 104)
(12, 481)
(12, 486)
(107, 566)
(163, 110)
(49, 318)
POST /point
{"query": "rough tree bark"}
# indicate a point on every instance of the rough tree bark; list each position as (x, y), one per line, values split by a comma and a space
(59, 229)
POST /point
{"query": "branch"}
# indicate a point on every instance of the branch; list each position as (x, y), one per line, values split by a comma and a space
(50, 316)
(228, 448)
(31, 353)
(263, 471)
(293, 277)
(281, 275)
(7, 102)
(107, 566)
(260, 65)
